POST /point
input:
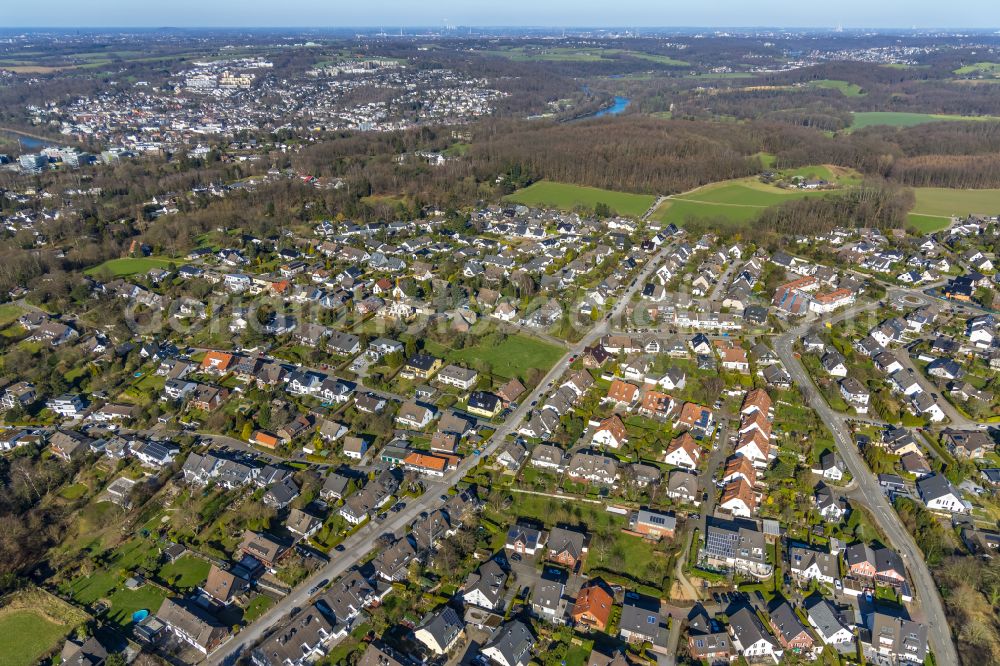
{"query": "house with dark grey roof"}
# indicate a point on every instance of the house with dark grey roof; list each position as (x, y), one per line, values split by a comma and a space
(547, 600)
(707, 639)
(301, 641)
(738, 545)
(751, 638)
(566, 546)
(548, 456)
(641, 620)
(524, 539)
(807, 564)
(792, 634)
(511, 645)
(683, 485)
(939, 494)
(898, 638)
(87, 652)
(827, 622)
(485, 586)
(393, 563)
(347, 597)
(440, 631)
(192, 625)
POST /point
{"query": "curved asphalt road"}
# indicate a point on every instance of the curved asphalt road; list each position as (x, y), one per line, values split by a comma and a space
(869, 491)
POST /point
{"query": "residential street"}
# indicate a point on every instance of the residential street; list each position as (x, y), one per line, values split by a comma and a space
(362, 541)
(956, 418)
(870, 493)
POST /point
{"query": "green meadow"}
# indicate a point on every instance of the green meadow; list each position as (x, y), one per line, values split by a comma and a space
(864, 119)
(565, 196)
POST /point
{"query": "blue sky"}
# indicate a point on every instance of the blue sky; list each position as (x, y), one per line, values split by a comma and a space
(557, 13)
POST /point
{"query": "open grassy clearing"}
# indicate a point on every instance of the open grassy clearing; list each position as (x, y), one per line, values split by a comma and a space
(738, 202)
(9, 312)
(927, 224)
(611, 550)
(130, 265)
(32, 624)
(385, 199)
(767, 160)
(864, 119)
(566, 196)
(74, 492)
(940, 201)
(511, 358)
(849, 89)
(981, 68)
(26, 636)
(125, 602)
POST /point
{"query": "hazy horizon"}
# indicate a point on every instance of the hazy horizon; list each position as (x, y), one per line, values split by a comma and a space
(589, 14)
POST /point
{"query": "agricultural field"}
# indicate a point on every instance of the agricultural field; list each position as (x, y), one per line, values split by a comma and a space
(571, 197)
(738, 202)
(935, 206)
(991, 69)
(130, 265)
(864, 119)
(721, 75)
(927, 224)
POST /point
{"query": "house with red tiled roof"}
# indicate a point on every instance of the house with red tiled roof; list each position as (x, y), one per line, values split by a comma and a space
(756, 400)
(755, 421)
(657, 405)
(593, 607)
(622, 394)
(738, 498)
(431, 465)
(740, 467)
(756, 446)
(216, 361)
(683, 452)
(265, 439)
(734, 358)
(696, 418)
(823, 303)
(611, 432)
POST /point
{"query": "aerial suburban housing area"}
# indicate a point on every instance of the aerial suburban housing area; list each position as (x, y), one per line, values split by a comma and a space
(497, 346)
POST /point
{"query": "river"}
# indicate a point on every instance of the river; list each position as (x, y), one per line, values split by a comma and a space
(27, 142)
(619, 105)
